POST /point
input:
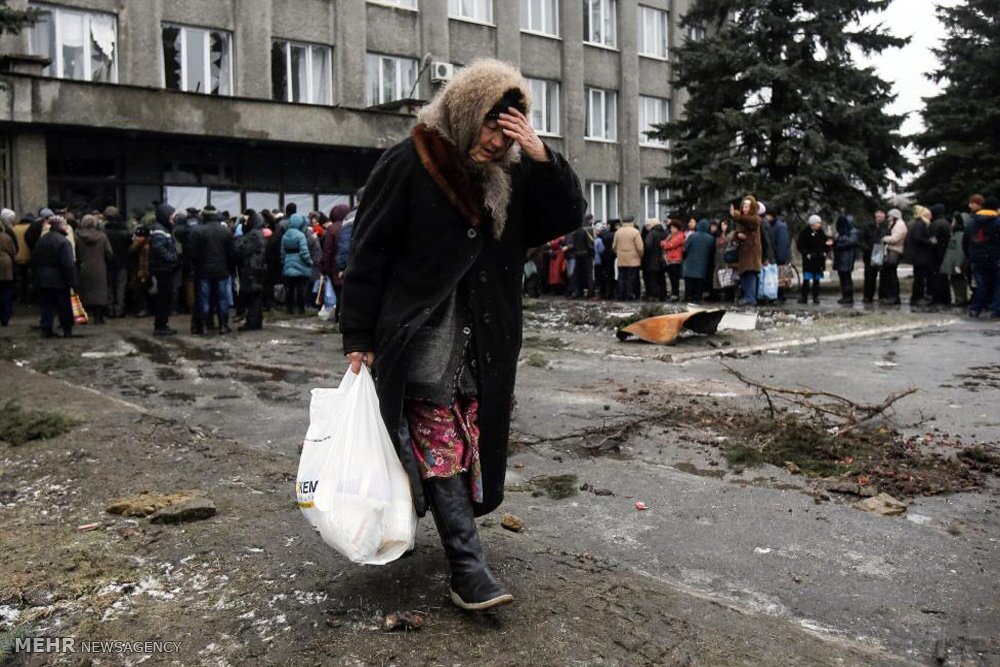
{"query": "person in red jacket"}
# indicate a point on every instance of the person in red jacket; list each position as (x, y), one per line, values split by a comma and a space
(673, 255)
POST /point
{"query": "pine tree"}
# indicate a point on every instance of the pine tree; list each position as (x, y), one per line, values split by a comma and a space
(779, 108)
(962, 136)
(15, 20)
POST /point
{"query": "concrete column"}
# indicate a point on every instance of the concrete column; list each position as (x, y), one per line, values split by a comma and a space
(30, 171)
(349, 53)
(507, 17)
(574, 107)
(628, 109)
(140, 44)
(252, 49)
(435, 39)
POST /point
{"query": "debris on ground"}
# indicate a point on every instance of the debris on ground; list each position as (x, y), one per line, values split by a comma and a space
(664, 329)
(195, 509)
(883, 504)
(18, 426)
(556, 487)
(872, 457)
(865, 490)
(596, 491)
(512, 523)
(87, 527)
(406, 621)
(146, 503)
(639, 505)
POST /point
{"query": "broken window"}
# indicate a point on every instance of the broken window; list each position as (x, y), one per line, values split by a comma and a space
(80, 45)
(301, 73)
(196, 60)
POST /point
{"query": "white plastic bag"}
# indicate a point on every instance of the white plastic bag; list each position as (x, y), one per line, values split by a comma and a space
(350, 485)
(767, 285)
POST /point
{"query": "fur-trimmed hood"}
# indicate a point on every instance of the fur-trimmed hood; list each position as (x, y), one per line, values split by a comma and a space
(458, 110)
(456, 114)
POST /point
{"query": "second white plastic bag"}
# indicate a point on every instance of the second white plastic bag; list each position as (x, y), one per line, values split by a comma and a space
(350, 484)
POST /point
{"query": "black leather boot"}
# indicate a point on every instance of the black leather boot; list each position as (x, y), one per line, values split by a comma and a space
(472, 584)
(815, 291)
(804, 297)
(224, 324)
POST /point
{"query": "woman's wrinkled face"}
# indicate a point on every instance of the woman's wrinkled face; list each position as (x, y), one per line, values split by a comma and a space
(492, 143)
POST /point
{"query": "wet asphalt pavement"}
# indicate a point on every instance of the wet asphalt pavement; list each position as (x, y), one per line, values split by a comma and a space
(916, 586)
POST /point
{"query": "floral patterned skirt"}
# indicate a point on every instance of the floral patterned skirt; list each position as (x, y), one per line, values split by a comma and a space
(445, 440)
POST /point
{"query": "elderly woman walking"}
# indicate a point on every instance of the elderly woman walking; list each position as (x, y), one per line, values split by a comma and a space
(432, 296)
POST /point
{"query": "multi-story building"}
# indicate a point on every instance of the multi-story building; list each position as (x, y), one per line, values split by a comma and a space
(254, 103)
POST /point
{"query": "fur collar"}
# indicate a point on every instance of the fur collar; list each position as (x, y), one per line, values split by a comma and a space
(444, 164)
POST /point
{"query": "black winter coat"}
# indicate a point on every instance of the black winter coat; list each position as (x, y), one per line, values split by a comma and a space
(919, 249)
(162, 249)
(251, 252)
(940, 229)
(53, 263)
(410, 250)
(812, 246)
(120, 239)
(213, 254)
(652, 256)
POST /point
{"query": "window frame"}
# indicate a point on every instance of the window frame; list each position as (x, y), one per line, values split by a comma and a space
(310, 84)
(379, 57)
(664, 26)
(56, 66)
(543, 104)
(644, 140)
(589, 12)
(604, 187)
(489, 21)
(589, 119)
(397, 4)
(526, 24)
(207, 61)
(661, 210)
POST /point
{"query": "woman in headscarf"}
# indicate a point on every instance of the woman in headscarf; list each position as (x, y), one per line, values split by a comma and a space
(432, 296)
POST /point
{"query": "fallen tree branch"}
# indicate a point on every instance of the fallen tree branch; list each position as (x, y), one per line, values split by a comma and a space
(851, 414)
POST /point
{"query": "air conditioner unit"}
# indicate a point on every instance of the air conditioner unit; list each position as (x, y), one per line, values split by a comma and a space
(442, 72)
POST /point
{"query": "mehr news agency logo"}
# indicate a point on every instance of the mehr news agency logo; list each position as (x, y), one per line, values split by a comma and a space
(74, 645)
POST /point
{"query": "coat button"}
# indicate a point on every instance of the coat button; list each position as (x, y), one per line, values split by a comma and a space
(482, 276)
(487, 318)
(467, 331)
(471, 233)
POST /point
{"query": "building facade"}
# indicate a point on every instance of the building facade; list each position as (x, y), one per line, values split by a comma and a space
(257, 103)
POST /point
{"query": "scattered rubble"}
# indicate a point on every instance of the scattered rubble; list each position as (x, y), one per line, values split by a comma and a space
(405, 621)
(195, 509)
(883, 504)
(512, 523)
(147, 503)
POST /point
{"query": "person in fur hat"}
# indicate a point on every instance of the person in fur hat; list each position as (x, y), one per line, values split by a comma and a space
(432, 296)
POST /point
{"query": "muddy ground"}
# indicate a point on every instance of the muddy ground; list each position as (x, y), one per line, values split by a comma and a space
(732, 564)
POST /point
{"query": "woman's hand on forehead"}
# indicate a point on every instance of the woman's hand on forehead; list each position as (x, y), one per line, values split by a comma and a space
(516, 126)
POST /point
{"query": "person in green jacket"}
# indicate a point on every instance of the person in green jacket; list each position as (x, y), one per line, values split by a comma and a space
(953, 265)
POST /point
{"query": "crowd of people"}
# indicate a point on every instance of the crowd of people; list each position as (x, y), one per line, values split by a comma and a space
(207, 263)
(91, 266)
(747, 256)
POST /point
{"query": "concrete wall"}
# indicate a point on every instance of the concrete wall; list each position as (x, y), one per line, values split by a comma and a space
(34, 100)
(353, 28)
